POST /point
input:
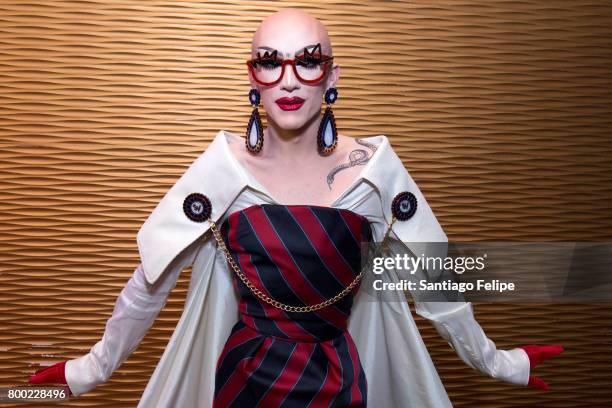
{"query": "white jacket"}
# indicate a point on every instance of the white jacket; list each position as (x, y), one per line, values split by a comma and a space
(398, 367)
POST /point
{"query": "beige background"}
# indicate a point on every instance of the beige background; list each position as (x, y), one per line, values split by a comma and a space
(501, 111)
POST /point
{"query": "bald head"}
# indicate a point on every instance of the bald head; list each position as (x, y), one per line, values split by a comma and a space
(288, 31)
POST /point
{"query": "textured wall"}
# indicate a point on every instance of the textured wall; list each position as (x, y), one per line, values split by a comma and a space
(500, 110)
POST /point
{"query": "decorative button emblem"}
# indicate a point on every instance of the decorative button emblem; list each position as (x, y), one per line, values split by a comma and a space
(197, 207)
(404, 205)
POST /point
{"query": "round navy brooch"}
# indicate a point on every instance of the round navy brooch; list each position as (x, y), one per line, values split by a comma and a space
(197, 207)
(404, 205)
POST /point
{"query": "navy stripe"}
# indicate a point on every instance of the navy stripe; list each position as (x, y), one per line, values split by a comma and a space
(300, 377)
(343, 399)
(319, 263)
(363, 386)
(341, 236)
(301, 251)
(265, 270)
(231, 360)
(282, 291)
(310, 382)
(366, 232)
(314, 262)
(334, 221)
(265, 350)
(265, 375)
(263, 324)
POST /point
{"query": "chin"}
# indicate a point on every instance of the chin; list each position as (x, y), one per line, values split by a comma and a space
(290, 121)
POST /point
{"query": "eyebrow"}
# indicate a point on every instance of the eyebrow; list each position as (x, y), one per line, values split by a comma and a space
(281, 54)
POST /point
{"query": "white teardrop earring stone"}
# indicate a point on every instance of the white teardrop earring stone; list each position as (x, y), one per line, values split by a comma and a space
(253, 134)
(328, 134)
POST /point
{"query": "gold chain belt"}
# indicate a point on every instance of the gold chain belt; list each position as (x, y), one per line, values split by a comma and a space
(276, 303)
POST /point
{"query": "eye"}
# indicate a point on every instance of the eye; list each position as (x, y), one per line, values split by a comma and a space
(309, 64)
(269, 63)
(309, 61)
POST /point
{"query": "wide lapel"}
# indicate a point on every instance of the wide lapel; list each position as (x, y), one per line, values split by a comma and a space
(169, 229)
(388, 174)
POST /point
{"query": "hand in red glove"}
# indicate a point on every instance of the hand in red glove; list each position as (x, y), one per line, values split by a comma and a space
(538, 354)
(54, 374)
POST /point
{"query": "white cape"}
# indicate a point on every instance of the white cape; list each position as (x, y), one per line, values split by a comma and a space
(398, 367)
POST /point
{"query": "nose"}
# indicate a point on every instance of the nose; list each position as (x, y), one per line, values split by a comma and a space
(289, 82)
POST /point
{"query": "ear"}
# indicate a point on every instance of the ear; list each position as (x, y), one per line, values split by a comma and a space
(251, 80)
(334, 76)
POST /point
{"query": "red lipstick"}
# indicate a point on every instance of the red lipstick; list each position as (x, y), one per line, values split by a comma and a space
(292, 103)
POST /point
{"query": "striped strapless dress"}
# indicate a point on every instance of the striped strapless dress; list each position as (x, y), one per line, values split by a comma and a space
(299, 255)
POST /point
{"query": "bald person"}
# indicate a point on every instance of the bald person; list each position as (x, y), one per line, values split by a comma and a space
(290, 148)
(290, 138)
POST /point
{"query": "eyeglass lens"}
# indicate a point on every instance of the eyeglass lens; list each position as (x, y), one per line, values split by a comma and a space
(270, 70)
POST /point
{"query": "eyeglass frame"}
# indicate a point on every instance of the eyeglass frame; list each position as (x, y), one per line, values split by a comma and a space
(325, 60)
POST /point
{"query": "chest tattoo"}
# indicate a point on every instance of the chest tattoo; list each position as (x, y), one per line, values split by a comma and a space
(357, 157)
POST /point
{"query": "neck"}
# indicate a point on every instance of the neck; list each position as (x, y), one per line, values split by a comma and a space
(284, 145)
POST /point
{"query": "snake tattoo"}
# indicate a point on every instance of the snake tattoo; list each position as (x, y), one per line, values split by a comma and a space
(357, 157)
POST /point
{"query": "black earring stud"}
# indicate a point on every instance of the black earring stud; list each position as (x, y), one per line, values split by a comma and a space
(254, 132)
(327, 136)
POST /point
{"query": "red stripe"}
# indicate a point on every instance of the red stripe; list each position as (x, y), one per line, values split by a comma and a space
(333, 379)
(322, 243)
(354, 223)
(356, 395)
(284, 322)
(233, 241)
(287, 267)
(241, 336)
(290, 375)
(237, 380)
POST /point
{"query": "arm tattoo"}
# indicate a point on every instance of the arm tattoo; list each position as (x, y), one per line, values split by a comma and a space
(357, 157)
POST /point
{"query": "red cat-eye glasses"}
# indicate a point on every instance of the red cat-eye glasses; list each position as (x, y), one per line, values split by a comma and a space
(309, 68)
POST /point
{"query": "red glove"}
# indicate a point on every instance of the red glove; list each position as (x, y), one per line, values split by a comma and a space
(54, 374)
(538, 354)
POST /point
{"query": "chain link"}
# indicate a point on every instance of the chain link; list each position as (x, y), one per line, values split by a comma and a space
(273, 302)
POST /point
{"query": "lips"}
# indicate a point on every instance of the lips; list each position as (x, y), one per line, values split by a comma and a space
(292, 103)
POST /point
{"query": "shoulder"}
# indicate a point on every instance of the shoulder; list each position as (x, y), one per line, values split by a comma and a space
(369, 143)
(176, 222)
